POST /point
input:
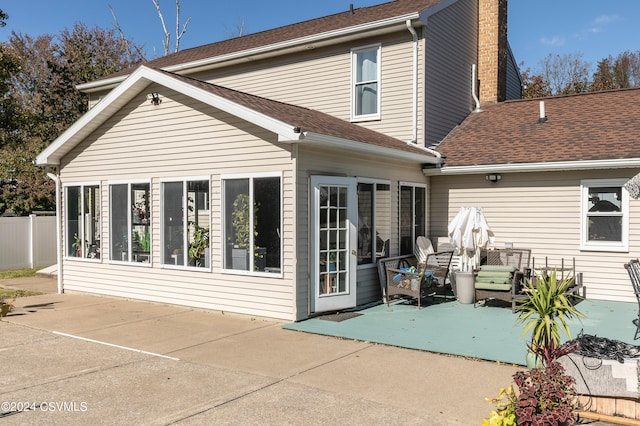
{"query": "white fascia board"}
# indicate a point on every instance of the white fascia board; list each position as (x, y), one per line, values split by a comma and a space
(130, 88)
(315, 38)
(94, 117)
(621, 163)
(342, 143)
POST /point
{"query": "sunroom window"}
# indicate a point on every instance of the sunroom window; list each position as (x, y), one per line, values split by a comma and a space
(186, 222)
(130, 230)
(412, 215)
(366, 82)
(252, 224)
(82, 236)
(605, 215)
(374, 210)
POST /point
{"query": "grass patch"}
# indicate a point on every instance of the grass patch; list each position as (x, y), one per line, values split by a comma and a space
(9, 294)
(18, 273)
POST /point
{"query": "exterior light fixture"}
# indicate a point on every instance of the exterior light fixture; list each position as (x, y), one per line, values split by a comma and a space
(154, 97)
(494, 178)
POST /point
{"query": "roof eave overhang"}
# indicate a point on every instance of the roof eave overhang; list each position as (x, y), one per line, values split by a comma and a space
(365, 148)
(313, 41)
(556, 166)
(130, 88)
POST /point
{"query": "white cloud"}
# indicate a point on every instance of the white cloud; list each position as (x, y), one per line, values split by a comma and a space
(606, 19)
(602, 21)
(553, 41)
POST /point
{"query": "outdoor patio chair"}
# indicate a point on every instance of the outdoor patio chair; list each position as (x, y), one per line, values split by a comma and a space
(423, 248)
(406, 276)
(633, 267)
(502, 275)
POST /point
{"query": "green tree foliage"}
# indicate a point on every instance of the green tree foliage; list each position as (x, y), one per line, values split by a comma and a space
(38, 77)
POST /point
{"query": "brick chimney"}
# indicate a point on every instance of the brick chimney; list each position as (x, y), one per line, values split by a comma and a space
(492, 50)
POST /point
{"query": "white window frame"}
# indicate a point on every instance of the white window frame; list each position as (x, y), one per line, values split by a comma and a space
(81, 225)
(223, 242)
(374, 219)
(184, 181)
(608, 246)
(129, 222)
(413, 206)
(354, 73)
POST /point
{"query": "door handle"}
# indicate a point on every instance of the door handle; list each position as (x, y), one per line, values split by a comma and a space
(353, 252)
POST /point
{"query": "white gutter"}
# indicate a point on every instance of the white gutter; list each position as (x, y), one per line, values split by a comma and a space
(619, 163)
(56, 179)
(414, 134)
(93, 86)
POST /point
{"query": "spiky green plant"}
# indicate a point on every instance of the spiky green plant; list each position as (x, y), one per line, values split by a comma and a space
(545, 312)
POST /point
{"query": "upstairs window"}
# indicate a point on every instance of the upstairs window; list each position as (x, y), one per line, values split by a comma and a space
(366, 83)
(605, 215)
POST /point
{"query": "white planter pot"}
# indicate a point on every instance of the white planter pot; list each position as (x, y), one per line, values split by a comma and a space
(465, 287)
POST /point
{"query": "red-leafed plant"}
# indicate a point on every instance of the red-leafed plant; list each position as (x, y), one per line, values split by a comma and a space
(546, 396)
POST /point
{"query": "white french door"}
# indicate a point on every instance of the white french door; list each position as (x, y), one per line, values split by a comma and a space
(334, 215)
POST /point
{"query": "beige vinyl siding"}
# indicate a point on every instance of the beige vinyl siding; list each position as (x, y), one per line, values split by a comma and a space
(321, 80)
(448, 97)
(313, 161)
(541, 211)
(182, 138)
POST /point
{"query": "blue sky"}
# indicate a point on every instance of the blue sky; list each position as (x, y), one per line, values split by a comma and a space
(536, 27)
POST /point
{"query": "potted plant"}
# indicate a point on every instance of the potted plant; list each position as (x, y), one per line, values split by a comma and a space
(5, 306)
(77, 245)
(241, 223)
(544, 311)
(199, 246)
(546, 394)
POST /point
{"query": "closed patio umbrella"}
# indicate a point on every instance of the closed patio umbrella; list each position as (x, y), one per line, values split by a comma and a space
(469, 233)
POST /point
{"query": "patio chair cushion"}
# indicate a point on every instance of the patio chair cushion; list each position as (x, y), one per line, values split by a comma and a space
(498, 268)
(495, 277)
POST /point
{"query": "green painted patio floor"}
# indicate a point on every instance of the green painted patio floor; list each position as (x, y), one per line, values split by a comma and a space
(484, 332)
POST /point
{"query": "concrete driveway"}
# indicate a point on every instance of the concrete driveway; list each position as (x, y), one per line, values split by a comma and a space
(84, 359)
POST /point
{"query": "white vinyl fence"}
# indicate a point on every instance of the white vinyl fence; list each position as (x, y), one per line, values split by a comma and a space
(27, 242)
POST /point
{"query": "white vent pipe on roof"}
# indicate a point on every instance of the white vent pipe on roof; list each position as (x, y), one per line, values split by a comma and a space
(543, 115)
(474, 81)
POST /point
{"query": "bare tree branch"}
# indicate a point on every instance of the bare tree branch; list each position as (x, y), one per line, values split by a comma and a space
(167, 34)
(118, 28)
(179, 33)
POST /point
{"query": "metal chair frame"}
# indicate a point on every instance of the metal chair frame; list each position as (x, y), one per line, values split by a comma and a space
(633, 268)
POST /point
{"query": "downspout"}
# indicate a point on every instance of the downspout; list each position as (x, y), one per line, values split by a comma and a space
(414, 136)
(474, 81)
(56, 179)
(414, 133)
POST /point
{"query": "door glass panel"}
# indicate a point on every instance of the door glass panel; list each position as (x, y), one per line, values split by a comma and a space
(333, 240)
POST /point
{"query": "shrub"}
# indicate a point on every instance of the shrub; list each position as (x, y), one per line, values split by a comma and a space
(546, 396)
